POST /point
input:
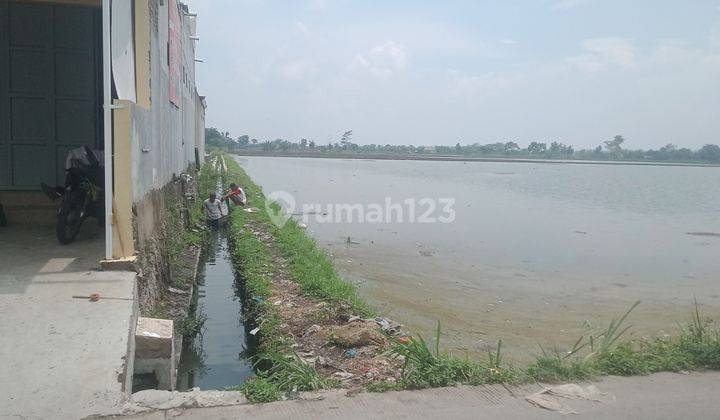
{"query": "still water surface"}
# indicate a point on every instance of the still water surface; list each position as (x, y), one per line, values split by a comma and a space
(219, 357)
(536, 253)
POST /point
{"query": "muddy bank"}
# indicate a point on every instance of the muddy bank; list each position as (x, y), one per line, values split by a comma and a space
(475, 315)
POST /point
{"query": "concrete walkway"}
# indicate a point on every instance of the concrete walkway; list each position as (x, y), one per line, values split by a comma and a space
(61, 357)
(659, 396)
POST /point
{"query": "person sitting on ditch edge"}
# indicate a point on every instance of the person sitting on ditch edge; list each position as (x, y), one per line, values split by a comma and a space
(236, 195)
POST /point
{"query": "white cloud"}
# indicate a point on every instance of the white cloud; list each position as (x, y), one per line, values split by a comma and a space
(601, 53)
(298, 69)
(568, 4)
(715, 34)
(382, 60)
(318, 5)
(302, 28)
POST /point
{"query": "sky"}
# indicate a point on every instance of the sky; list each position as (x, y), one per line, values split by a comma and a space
(441, 72)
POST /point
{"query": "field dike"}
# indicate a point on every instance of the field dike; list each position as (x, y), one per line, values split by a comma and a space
(315, 332)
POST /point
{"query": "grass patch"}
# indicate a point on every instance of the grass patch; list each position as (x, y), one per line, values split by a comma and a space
(697, 347)
(308, 265)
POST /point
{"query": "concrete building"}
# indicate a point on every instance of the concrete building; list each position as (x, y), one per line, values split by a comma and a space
(114, 75)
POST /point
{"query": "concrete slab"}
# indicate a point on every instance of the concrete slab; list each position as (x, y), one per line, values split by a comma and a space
(29, 250)
(62, 357)
(659, 396)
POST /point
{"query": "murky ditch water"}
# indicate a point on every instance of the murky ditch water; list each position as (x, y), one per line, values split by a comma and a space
(219, 356)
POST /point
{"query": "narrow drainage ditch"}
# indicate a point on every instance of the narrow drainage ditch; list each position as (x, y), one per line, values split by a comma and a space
(220, 355)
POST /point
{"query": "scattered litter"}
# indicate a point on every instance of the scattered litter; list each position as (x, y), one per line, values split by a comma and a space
(255, 331)
(357, 334)
(94, 297)
(251, 210)
(354, 318)
(550, 398)
(258, 299)
(174, 290)
(575, 391)
(343, 375)
(277, 302)
(547, 402)
(312, 330)
(716, 234)
(351, 353)
(388, 325)
(581, 232)
(302, 225)
(405, 339)
(353, 392)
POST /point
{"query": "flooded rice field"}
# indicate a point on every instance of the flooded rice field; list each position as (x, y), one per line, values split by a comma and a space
(523, 252)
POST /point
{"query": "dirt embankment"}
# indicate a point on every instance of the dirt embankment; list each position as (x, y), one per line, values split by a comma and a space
(327, 335)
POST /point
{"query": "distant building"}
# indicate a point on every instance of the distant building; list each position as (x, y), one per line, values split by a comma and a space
(114, 75)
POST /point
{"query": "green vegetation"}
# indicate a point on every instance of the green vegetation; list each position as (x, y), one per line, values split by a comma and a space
(309, 265)
(279, 369)
(606, 352)
(193, 323)
(183, 226)
(611, 149)
(697, 347)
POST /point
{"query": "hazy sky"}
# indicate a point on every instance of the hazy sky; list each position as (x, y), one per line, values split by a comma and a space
(423, 73)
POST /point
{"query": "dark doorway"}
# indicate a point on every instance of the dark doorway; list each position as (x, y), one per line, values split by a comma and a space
(50, 89)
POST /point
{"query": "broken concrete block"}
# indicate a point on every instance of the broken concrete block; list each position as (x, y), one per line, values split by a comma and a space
(154, 338)
(155, 350)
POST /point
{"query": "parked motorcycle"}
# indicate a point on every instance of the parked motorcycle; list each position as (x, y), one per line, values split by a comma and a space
(82, 196)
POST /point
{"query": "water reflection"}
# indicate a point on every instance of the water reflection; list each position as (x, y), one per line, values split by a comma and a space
(219, 356)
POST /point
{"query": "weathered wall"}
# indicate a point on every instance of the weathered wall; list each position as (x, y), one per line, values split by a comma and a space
(162, 136)
(166, 143)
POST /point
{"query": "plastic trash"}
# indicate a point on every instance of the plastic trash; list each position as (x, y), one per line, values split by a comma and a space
(351, 353)
(388, 325)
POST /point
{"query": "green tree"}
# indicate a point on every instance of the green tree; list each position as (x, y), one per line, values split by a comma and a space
(710, 153)
(614, 146)
(345, 139)
(536, 148)
(511, 147)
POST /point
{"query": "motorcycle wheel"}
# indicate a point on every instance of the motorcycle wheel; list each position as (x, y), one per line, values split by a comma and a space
(69, 219)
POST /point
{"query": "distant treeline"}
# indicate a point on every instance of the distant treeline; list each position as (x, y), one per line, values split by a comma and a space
(611, 149)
